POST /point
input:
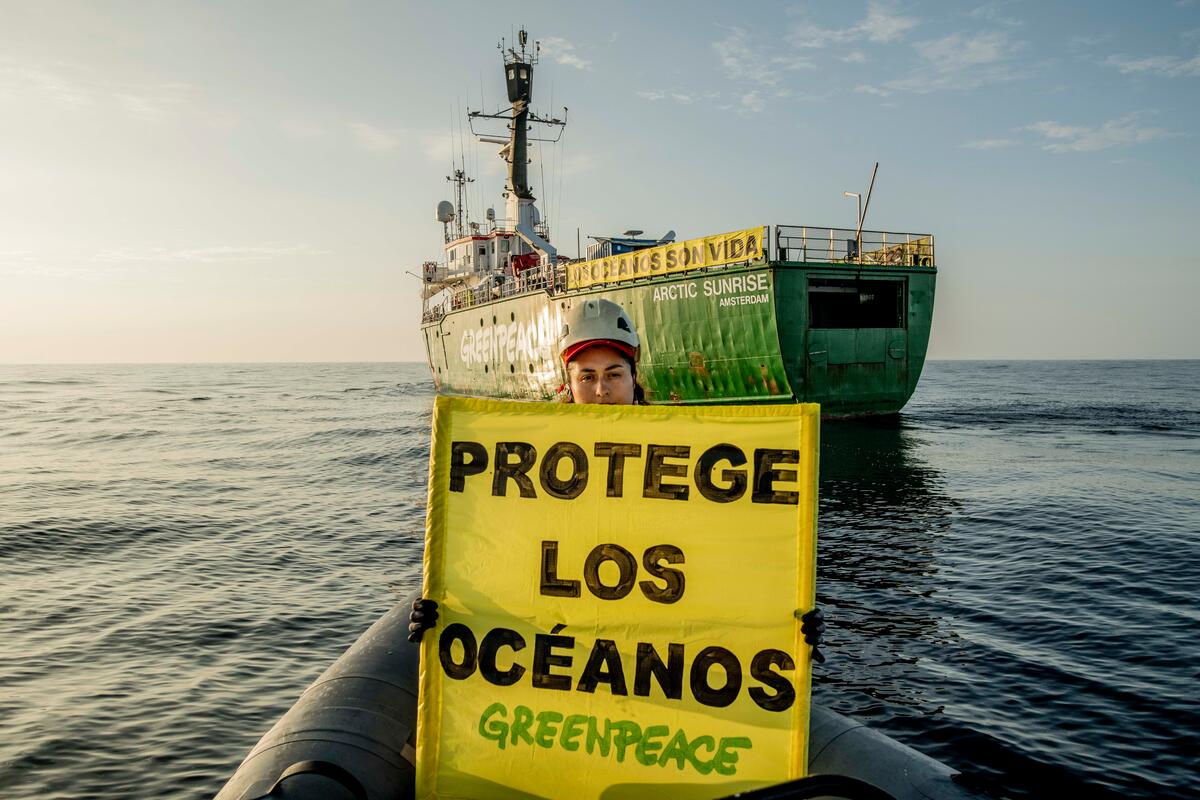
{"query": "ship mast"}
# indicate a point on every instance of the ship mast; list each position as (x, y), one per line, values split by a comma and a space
(520, 214)
(518, 69)
(460, 180)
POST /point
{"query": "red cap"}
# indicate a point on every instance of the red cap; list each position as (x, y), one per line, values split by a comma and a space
(579, 347)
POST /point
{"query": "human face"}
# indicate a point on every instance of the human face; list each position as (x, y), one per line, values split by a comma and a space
(600, 374)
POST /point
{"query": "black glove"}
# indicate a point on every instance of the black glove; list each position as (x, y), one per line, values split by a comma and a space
(423, 617)
(812, 625)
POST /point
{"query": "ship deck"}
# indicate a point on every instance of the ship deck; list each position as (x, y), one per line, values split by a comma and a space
(786, 246)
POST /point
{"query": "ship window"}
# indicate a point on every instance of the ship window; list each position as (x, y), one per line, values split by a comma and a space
(504, 245)
(483, 249)
(836, 303)
(524, 73)
(453, 252)
(511, 74)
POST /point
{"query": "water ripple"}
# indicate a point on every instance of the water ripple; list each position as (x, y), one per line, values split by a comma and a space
(1009, 568)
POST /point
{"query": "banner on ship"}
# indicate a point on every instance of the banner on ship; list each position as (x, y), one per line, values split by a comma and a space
(710, 251)
(620, 593)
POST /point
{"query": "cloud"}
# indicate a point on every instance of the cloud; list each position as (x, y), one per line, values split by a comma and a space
(883, 26)
(880, 25)
(988, 144)
(45, 83)
(751, 103)
(563, 52)
(854, 57)
(438, 147)
(152, 103)
(302, 130)
(1166, 66)
(11, 257)
(219, 254)
(755, 101)
(867, 88)
(1119, 132)
(958, 51)
(957, 61)
(441, 147)
(1081, 41)
(682, 98)
(55, 263)
(74, 273)
(577, 164)
(745, 61)
(374, 139)
(991, 12)
(74, 86)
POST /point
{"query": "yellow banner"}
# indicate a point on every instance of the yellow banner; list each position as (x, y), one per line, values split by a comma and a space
(710, 251)
(620, 592)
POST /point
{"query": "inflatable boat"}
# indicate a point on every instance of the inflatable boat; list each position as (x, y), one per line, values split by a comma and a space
(352, 736)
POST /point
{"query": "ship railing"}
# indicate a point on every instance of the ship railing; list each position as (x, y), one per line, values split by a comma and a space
(805, 244)
(507, 225)
(495, 287)
(790, 243)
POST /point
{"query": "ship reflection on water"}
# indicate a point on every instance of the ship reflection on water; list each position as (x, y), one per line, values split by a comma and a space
(883, 511)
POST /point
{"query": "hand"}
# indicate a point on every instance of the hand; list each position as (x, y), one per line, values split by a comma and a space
(424, 616)
(812, 625)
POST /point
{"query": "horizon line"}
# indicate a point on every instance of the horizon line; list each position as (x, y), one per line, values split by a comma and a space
(425, 363)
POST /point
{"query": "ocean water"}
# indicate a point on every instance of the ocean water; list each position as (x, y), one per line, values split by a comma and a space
(1010, 568)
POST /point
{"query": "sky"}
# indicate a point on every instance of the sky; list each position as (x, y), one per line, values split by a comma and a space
(250, 181)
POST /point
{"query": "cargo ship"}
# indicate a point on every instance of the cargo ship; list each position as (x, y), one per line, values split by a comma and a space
(767, 313)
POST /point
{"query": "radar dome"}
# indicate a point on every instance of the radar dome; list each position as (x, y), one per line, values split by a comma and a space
(445, 211)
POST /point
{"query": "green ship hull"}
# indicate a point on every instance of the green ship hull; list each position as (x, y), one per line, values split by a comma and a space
(851, 337)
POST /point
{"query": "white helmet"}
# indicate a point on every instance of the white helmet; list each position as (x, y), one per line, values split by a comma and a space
(597, 321)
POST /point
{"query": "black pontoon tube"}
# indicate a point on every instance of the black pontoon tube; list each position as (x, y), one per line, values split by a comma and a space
(351, 736)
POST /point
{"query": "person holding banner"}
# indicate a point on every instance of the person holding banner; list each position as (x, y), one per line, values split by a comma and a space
(599, 350)
(599, 347)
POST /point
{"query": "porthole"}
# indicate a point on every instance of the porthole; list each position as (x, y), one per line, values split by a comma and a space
(512, 368)
(531, 366)
(485, 367)
(481, 322)
(493, 319)
(512, 316)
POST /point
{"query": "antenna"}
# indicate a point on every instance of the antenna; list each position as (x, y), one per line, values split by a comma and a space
(518, 68)
(863, 215)
(460, 180)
